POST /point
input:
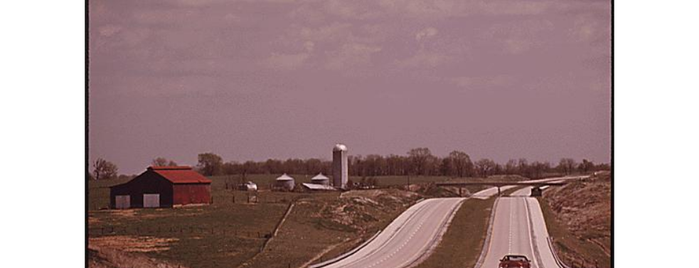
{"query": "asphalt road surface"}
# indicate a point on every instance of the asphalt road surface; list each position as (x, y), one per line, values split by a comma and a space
(409, 236)
(519, 228)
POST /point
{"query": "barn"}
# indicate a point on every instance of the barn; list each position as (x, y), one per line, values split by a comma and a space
(162, 187)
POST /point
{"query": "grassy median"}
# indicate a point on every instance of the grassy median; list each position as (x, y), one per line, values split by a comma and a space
(462, 243)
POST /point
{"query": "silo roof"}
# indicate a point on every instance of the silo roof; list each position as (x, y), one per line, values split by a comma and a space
(285, 178)
(319, 177)
(340, 147)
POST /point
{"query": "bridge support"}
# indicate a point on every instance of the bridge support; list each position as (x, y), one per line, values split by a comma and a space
(536, 191)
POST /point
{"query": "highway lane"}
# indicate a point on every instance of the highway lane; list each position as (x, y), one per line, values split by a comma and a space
(410, 236)
(519, 228)
(407, 238)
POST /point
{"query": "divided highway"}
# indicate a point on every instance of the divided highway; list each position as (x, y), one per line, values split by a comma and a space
(409, 236)
(517, 228)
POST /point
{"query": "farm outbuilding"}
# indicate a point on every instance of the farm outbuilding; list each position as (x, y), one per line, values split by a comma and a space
(320, 179)
(162, 187)
(285, 183)
(318, 187)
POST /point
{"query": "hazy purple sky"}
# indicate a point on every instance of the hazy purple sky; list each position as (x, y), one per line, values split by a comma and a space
(254, 79)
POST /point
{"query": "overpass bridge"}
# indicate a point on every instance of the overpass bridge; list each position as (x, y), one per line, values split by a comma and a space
(536, 185)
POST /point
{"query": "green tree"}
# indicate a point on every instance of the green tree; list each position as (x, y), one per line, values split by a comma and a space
(209, 164)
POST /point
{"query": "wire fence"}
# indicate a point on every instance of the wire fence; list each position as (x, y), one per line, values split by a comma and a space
(179, 230)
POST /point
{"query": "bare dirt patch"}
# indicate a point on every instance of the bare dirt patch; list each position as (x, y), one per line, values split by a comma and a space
(133, 243)
(127, 252)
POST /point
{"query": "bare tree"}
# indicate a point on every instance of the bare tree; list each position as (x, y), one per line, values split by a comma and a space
(163, 162)
(523, 167)
(461, 163)
(538, 169)
(103, 169)
(419, 159)
(511, 167)
(566, 165)
(586, 166)
(484, 167)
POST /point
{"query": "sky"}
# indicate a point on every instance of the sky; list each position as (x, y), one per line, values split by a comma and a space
(259, 79)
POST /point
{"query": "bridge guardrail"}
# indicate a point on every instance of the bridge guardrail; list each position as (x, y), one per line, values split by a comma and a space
(555, 256)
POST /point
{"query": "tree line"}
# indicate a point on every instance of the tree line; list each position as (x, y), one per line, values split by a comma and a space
(417, 162)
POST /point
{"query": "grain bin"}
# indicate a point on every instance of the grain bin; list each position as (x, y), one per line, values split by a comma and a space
(320, 179)
(285, 183)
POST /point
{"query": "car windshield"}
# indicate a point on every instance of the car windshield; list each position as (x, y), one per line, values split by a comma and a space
(516, 258)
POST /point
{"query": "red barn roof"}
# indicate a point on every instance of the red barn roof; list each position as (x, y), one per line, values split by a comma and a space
(180, 174)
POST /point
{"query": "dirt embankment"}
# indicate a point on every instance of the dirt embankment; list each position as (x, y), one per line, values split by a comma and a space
(125, 252)
(582, 210)
(319, 229)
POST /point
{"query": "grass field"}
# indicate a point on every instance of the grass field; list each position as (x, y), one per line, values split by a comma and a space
(231, 231)
(228, 232)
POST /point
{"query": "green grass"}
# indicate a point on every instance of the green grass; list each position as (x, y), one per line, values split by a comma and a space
(567, 244)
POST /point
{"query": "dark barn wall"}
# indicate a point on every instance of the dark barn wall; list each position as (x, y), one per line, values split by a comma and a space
(148, 182)
(192, 193)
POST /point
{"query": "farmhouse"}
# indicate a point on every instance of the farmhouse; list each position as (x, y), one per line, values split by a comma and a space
(162, 187)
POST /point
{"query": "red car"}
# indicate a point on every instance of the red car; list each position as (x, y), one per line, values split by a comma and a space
(515, 261)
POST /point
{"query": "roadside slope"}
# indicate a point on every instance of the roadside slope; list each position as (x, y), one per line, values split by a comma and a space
(578, 216)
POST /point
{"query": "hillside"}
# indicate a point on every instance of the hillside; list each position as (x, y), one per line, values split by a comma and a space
(579, 220)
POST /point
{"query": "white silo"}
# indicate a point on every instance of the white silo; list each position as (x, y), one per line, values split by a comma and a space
(340, 167)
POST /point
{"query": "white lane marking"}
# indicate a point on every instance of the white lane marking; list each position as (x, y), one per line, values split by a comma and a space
(530, 230)
(417, 208)
(509, 242)
(405, 242)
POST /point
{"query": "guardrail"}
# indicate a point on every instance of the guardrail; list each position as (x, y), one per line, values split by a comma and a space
(555, 256)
